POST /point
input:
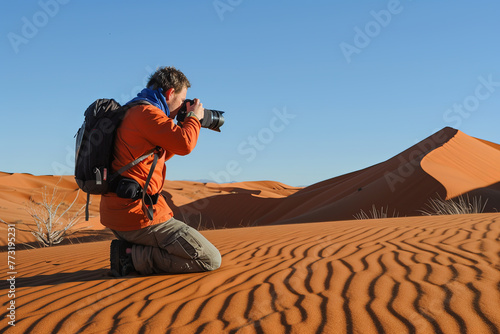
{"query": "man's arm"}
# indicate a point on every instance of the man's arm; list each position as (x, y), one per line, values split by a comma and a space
(162, 131)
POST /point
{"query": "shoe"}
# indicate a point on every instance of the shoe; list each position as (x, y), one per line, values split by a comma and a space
(121, 262)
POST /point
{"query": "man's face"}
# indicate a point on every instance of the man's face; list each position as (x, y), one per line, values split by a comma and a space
(175, 100)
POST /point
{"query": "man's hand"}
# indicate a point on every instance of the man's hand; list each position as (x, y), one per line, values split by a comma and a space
(197, 108)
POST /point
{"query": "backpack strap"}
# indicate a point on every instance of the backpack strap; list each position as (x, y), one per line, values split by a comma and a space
(87, 208)
(147, 201)
(132, 164)
(142, 157)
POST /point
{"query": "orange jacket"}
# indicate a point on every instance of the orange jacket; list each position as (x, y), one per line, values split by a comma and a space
(144, 128)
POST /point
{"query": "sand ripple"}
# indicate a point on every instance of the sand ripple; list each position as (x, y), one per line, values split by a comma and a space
(404, 275)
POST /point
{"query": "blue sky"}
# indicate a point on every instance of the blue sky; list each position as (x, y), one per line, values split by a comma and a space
(311, 90)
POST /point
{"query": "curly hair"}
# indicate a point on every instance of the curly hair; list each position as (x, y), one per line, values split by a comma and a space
(168, 77)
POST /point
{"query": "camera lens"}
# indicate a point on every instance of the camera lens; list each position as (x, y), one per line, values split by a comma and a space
(213, 119)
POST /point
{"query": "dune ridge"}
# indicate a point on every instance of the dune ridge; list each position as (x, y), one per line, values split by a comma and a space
(463, 164)
(307, 268)
(447, 164)
(444, 165)
(400, 275)
(185, 197)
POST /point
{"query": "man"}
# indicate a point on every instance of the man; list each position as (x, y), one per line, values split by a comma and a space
(163, 244)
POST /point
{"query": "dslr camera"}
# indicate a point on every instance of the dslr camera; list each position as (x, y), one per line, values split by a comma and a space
(212, 119)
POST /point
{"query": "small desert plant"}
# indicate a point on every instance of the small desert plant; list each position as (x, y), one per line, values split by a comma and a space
(374, 213)
(50, 226)
(456, 206)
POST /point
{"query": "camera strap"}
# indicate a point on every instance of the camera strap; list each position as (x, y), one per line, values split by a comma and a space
(147, 200)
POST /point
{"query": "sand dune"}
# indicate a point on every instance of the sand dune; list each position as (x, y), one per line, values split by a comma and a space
(185, 197)
(447, 164)
(17, 189)
(401, 275)
(226, 205)
(463, 164)
(320, 273)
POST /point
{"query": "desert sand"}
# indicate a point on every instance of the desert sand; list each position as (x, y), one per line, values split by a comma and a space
(294, 260)
(445, 165)
(401, 275)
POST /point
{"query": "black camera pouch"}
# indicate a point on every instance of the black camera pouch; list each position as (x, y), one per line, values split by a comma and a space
(128, 188)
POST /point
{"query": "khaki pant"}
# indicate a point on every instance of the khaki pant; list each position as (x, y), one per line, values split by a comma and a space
(170, 247)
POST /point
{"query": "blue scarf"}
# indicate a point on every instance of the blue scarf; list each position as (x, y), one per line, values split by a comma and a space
(155, 97)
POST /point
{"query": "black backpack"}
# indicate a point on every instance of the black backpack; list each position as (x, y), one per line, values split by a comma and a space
(94, 150)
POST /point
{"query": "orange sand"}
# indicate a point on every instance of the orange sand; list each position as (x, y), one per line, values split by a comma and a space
(463, 164)
(446, 164)
(400, 275)
(315, 270)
